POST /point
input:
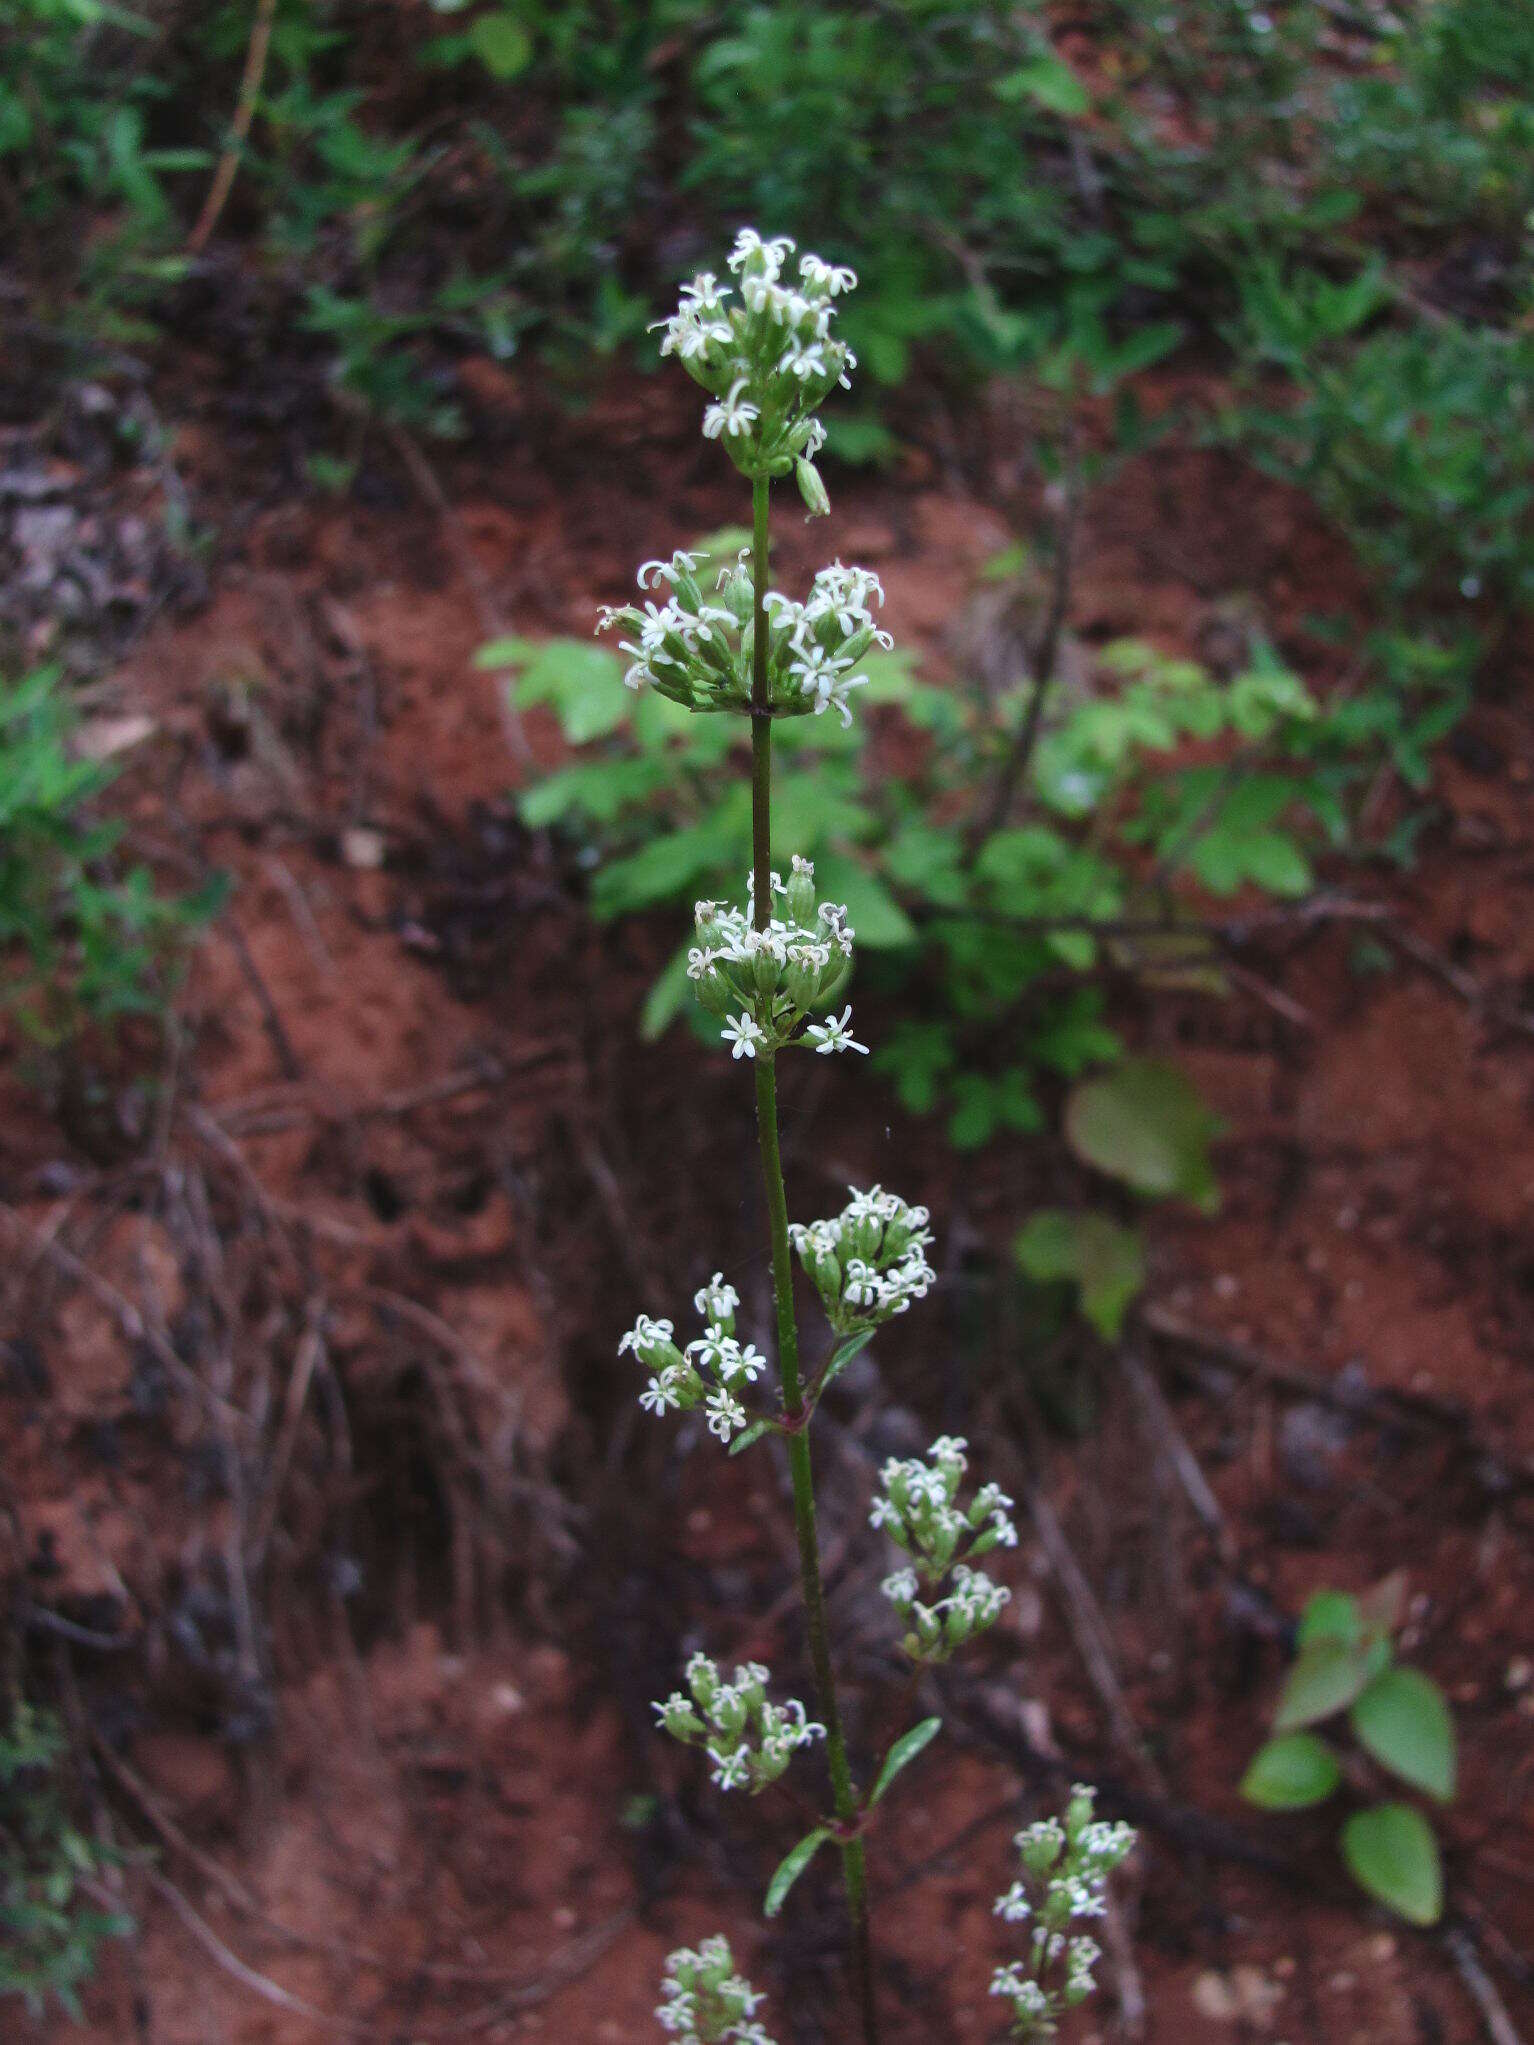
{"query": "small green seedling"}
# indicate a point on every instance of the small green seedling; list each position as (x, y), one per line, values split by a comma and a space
(1400, 1723)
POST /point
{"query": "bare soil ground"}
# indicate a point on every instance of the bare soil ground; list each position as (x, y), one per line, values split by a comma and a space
(316, 1445)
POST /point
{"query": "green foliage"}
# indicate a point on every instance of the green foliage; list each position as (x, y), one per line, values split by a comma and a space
(1291, 1772)
(1419, 445)
(903, 1753)
(791, 1867)
(1008, 935)
(1345, 1661)
(1391, 1851)
(51, 1928)
(1101, 1259)
(1146, 1125)
(86, 939)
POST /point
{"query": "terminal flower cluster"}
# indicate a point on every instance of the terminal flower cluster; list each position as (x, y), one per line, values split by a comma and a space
(1064, 1884)
(765, 982)
(705, 2002)
(749, 1739)
(917, 1507)
(764, 350)
(708, 1372)
(869, 1262)
(697, 648)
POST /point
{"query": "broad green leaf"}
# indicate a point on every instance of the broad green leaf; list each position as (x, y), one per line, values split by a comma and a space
(1390, 1851)
(502, 44)
(1330, 1615)
(878, 919)
(1327, 1675)
(791, 1867)
(1402, 1719)
(903, 1753)
(1290, 1773)
(1105, 1261)
(1145, 1123)
(1049, 82)
(505, 652)
(584, 684)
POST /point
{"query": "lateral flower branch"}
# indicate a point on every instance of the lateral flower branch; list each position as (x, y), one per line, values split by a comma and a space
(772, 971)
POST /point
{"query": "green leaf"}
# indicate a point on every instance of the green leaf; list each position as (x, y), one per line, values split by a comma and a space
(752, 1434)
(1327, 1675)
(878, 919)
(853, 1346)
(1403, 1720)
(792, 1867)
(501, 44)
(584, 684)
(1330, 1615)
(1290, 1773)
(1390, 1851)
(665, 999)
(1049, 82)
(904, 1752)
(1146, 1124)
(1105, 1261)
(510, 652)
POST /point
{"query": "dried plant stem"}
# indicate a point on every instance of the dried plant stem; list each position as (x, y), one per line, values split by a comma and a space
(800, 1467)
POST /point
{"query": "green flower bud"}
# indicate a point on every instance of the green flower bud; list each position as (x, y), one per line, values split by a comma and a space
(801, 983)
(811, 488)
(832, 980)
(715, 992)
(688, 1387)
(764, 971)
(801, 897)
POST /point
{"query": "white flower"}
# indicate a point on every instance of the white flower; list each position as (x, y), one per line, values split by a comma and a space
(725, 1414)
(828, 277)
(645, 1334)
(717, 1299)
(658, 1394)
(744, 1032)
(734, 415)
(833, 1035)
(730, 1770)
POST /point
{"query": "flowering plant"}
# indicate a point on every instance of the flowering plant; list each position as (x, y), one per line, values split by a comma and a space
(771, 971)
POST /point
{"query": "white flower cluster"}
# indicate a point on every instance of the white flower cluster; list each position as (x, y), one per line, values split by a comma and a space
(870, 1261)
(917, 1507)
(763, 348)
(707, 1372)
(749, 1739)
(705, 2002)
(1065, 1883)
(775, 976)
(698, 649)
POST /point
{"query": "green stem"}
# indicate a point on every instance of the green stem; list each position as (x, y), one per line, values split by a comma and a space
(801, 1469)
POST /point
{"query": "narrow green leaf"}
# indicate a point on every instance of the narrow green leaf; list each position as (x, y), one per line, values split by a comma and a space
(751, 1434)
(1291, 1772)
(853, 1346)
(904, 1752)
(665, 999)
(1403, 1720)
(1390, 1851)
(791, 1867)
